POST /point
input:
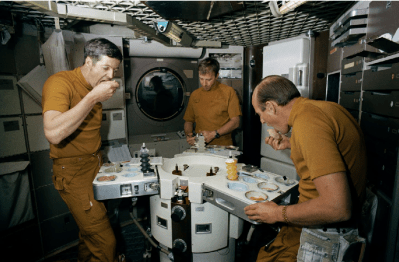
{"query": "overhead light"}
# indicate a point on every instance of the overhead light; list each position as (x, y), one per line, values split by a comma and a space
(285, 8)
(174, 32)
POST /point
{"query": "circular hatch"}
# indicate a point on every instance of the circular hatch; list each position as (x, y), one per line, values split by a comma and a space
(159, 94)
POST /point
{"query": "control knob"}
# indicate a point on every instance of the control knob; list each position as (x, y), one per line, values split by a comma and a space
(179, 246)
(178, 213)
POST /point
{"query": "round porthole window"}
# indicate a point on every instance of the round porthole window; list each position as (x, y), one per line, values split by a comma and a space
(159, 94)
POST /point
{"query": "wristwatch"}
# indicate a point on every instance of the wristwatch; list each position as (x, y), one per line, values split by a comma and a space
(217, 134)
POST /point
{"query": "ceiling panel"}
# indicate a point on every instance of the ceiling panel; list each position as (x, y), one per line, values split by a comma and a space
(251, 25)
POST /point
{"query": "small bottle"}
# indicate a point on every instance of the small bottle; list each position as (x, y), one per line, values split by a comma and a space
(231, 169)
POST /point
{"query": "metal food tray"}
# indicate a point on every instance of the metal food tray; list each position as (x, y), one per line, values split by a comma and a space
(126, 180)
(234, 200)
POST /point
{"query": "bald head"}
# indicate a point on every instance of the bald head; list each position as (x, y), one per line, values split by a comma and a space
(274, 88)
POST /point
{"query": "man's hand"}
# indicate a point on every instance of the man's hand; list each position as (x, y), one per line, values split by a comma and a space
(265, 212)
(277, 141)
(104, 91)
(190, 139)
(208, 136)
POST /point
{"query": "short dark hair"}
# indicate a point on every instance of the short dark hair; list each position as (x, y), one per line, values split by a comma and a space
(275, 88)
(207, 65)
(97, 47)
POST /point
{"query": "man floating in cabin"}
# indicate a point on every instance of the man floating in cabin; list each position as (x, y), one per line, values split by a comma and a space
(72, 115)
(214, 108)
(329, 154)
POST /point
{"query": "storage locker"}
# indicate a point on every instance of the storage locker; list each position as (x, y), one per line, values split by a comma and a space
(361, 48)
(334, 58)
(382, 164)
(386, 104)
(354, 113)
(351, 82)
(382, 77)
(12, 140)
(9, 97)
(350, 100)
(383, 128)
(352, 65)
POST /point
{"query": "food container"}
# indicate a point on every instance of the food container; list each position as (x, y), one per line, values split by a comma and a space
(106, 178)
(270, 187)
(256, 196)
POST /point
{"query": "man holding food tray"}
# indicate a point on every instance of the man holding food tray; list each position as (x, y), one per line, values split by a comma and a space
(329, 154)
(72, 115)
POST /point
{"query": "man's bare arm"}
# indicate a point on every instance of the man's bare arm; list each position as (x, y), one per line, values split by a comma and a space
(58, 125)
(188, 129)
(229, 127)
(333, 205)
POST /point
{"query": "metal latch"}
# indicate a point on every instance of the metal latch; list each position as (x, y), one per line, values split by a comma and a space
(207, 193)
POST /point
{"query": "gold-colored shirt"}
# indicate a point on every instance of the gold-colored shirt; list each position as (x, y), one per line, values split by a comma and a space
(210, 110)
(326, 139)
(61, 92)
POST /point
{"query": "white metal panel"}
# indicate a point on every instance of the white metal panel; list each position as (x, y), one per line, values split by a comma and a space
(290, 59)
(140, 48)
(12, 140)
(117, 100)
(279, 168)
(236, 226)
(195, 193)
(223, 255)
(278, 58)
(9, 98)
(36, 137)
(160, 208)
(113, 125)
(209, 214)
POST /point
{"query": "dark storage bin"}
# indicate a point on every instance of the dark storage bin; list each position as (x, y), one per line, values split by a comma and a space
(386, 104)
(354, 113)
(382, 77)
(382, 160)
(351, 82)
(350, 100)
(59, 231)
(382, 128)
(352, 65)
(360, 49)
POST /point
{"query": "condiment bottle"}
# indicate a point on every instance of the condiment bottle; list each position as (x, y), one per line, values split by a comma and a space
(231, 169)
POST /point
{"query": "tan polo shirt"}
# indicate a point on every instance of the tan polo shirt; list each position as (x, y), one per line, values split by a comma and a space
(326, 139)
(212, 109)
(61, 92)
